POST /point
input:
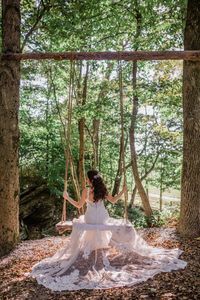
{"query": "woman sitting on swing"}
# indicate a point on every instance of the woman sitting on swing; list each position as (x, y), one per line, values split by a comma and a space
(96, 212)
(103, 252)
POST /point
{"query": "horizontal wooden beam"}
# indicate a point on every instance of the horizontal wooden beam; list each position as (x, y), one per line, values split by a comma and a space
(121, 55)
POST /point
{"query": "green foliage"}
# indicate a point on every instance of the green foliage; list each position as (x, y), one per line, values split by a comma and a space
(117, 210)
(102, 26)
(137, 217)
(160, 218)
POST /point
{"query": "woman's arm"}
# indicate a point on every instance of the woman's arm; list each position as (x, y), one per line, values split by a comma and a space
(77, 204)
(114, 199)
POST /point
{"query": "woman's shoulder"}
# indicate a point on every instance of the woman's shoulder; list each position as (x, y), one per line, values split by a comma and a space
(85, 189)
(85, 193)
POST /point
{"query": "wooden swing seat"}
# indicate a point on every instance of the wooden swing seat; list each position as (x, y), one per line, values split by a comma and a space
(63, 226)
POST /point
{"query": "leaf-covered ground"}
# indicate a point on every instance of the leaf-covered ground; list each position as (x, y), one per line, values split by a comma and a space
(183, 284)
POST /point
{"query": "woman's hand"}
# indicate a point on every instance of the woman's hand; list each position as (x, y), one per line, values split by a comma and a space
(78, 203)
(117, 197)
(65, 195)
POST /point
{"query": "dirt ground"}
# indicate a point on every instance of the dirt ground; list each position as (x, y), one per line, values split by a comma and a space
(183, 284)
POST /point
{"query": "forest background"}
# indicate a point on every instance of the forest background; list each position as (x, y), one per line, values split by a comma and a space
(106, 25)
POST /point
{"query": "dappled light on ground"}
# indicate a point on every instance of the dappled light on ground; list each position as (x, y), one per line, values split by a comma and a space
(183, 284)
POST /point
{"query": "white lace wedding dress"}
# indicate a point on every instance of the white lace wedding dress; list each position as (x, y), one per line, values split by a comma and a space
(103, 253)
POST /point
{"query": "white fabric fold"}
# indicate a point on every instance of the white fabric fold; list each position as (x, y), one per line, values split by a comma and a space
(104, 252)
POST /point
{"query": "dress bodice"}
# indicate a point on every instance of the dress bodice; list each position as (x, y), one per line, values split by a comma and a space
(100, 202)
(96, 213)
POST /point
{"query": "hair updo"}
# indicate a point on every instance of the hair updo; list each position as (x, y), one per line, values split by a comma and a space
(100, 190)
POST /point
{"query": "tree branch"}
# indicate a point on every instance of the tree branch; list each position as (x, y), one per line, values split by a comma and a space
(39, 15)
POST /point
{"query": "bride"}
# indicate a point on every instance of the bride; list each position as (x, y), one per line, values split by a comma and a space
(103, 252)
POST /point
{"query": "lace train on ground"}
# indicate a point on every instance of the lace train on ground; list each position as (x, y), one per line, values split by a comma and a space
(105, 255)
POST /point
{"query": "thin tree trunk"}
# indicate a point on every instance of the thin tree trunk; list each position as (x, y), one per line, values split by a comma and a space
(134, 191)
(47, 135)
(146, 157)
(64, 136)
(190, 180)
(119, 172)
(138, 182)
(96, 121)
(161, 197)
(161, 186)
(100, 148)
(81, 172)
(118, 176)
(81, 164)
(131, 204)
(9, 131)
(96, 126)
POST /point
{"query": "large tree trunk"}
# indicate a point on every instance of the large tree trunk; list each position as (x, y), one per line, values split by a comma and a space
(190, 181)
(9, 132)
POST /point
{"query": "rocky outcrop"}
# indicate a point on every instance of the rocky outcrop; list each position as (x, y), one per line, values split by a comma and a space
(39, 212)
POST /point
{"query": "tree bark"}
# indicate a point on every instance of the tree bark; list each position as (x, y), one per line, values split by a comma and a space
(147, 172)
(96, 126)
(9, 131)
(47, 135)
(108, 55)
(81, 126)
(96, 121)
(161, 185)
(118, 176)
(138, 181)
(190, 180)
(119, 172)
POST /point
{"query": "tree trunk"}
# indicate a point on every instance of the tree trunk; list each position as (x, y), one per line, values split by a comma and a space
(96, 126)
(96, 121)
(134, 191)
(161, 185)
(81, 172)
(190, 179)
(131, 204)
(100, 148)
(47, 135)
(9, 131)
(138, 181)
(119, 172)
(81, 164)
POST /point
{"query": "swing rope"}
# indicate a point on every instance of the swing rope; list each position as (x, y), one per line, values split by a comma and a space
(68, 135)
(122, 139)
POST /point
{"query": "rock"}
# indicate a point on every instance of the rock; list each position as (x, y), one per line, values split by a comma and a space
(39, 212)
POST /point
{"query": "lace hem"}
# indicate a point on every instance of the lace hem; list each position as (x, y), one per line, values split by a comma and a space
(102, 258)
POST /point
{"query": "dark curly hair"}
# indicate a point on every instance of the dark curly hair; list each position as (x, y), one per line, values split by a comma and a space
(100, 190)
